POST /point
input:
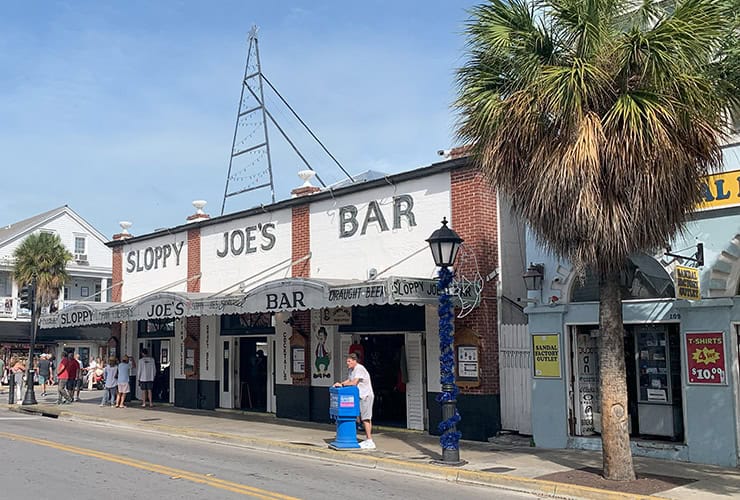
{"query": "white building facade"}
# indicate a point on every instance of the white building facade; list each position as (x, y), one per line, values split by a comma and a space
(90, 281)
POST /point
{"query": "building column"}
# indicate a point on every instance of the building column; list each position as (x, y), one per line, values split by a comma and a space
(103, 290)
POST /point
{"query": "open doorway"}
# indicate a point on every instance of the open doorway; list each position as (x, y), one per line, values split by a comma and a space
(159, 349)
(385, 360)
(253, 368)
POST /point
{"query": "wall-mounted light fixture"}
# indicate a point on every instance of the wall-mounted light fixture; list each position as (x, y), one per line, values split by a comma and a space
(533, 277)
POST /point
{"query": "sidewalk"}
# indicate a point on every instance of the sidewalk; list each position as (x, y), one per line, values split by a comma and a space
(508, 462)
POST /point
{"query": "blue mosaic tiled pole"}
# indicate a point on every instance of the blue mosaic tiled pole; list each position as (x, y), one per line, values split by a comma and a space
(450, 438)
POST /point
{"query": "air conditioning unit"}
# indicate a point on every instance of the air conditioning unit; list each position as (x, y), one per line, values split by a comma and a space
(81, 257)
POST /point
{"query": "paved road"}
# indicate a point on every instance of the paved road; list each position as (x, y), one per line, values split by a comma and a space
(63, 459)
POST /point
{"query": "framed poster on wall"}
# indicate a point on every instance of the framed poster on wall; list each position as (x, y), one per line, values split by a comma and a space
(546, 355)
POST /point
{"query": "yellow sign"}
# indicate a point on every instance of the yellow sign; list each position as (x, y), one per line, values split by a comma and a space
(721, 190)
(546, 350)
(687, 283)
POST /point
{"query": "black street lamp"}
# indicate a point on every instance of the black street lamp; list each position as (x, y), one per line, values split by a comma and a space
(30, 397)
(445, 243)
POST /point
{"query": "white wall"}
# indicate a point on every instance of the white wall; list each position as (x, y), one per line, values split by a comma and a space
(137, 280)
(352, 256)
(271, 244)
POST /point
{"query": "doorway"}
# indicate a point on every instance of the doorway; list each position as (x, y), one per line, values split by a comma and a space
(385, 360)
(253, 368)
(159, 349)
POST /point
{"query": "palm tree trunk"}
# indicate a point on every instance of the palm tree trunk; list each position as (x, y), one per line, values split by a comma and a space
(617, 455)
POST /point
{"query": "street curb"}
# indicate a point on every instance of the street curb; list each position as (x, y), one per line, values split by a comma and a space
(452, 474)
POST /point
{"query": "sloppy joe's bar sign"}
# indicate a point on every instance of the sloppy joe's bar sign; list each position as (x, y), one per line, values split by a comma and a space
(248, 240)
(154, 257)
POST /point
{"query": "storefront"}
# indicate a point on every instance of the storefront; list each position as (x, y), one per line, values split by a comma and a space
(257, 310)
(680, 340)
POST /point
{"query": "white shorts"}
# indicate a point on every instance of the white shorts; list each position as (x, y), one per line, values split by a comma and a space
(366, 407)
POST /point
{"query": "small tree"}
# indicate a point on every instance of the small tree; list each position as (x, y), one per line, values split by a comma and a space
(598, 118)
(44, 256)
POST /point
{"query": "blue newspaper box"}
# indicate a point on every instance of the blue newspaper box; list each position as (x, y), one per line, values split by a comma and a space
(344, 407)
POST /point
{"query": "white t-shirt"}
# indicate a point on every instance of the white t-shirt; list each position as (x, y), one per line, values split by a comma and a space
(146, 370)
(364, 385)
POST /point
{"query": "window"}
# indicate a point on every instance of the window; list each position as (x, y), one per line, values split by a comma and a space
(6, 285)
(80, 244)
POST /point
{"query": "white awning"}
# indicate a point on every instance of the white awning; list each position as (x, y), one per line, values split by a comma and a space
(289, 294)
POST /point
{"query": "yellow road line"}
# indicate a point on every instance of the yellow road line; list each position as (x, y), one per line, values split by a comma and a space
(161, 469)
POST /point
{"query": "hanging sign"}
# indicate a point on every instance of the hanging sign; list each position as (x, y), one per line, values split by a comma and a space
(546, 350)
(336, 315)
(705, 356)
(687, 283)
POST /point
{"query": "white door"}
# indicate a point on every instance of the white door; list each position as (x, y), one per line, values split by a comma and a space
(415, 400)
(225, 369)
(516, 378)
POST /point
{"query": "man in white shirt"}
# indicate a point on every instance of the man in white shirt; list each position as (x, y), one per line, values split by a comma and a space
(145, 373)
(359, 376)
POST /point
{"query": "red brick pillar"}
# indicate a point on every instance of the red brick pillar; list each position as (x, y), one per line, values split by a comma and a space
(117, 287)
(475, 219)
(192, 325)
(301, 229)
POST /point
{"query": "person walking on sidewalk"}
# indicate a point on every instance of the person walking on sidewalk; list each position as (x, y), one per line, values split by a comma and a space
(44, 372)
(145, 375)
(64, 372)
(359, 376)
(124, 374)
(110, 375)
(78, 380)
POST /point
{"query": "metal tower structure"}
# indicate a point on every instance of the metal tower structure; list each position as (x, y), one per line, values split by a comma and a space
(250, 166)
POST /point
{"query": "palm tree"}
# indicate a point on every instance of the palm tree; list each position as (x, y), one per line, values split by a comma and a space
(598, 119)
(43, 256)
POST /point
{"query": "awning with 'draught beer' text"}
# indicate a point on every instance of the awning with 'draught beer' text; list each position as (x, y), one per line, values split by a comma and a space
(288, 294)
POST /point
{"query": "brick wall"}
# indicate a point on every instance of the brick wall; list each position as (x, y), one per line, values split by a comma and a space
(301, 229)
(193, 259)
(192, 332)
(117, 285)
(117, 289)
(192, 325)
(474, 218)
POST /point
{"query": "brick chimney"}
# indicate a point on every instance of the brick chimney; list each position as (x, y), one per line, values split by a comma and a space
(124, 234)
(199, 213)
(307, 188)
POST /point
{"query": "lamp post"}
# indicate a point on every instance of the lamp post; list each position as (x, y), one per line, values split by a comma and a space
(30, 396)
(444, 243)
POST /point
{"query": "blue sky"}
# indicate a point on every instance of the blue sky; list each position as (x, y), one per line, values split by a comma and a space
(126, 110)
